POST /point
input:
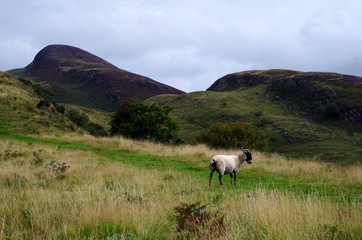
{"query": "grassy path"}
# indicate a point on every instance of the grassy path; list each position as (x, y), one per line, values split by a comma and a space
(249, 180)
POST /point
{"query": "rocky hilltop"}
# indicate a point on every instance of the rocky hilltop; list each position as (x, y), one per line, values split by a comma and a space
(316, 95)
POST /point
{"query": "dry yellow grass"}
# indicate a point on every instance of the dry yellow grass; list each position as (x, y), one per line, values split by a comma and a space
(275, 215)
(93, 193)
(268, 162)
(274, 163)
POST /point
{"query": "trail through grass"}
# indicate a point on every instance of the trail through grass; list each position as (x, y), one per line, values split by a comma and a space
(248, 179)
(116, 191)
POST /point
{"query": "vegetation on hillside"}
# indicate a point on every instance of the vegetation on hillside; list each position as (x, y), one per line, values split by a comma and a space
(321, 96)
(141, 121)
(233, 135)
(82, 121)
(22, 112)
(31, 109)
(289, 130)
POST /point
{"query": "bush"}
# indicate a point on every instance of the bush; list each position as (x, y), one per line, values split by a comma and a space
(43, 102)
(42, 91)
(80, 119)
(194, 220)
(141, 121)
(96, 130)
(60, 108)
(237, 135)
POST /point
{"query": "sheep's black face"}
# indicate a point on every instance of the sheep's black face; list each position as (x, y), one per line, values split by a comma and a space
(249, 157)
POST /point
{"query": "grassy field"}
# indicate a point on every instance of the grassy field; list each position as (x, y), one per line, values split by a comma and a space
(57, 185)
(289, 133)
(121, 189)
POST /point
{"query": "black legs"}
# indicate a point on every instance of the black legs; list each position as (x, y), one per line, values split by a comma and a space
(220, 179)
(231, 178)
(211, 174)
(232, 175)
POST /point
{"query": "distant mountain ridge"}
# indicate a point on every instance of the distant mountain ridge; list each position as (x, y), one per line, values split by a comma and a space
(317, 95)
(304, 114)
(79, 77)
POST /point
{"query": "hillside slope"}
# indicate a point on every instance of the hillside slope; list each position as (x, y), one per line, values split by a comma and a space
(291, 129)
(81, 78)
(19, 112)
(316, 95)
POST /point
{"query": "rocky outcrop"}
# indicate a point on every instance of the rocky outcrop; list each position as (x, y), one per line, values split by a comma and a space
(316, 95)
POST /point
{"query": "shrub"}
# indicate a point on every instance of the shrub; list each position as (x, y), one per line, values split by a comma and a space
(96, 130)
(37, 160)
(140, 121)
(58, 168)
(45, 92)
(44, 102)
(236, 135)
(80, 119)
(60, 108)
(193, 219)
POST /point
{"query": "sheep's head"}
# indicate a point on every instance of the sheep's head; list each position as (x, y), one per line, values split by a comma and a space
(248, 156)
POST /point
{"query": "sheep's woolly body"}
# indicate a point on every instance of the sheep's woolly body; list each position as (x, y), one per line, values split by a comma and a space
(228, 164)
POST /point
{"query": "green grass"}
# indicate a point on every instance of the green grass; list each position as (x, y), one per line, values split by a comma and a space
(289, 133)
(102, 230)
(247, 180)
(36, 206)
(250, 182)
(15, 124)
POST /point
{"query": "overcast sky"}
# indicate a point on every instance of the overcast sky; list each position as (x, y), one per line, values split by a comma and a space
(189, 44)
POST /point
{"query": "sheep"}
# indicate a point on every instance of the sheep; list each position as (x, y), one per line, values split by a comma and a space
(228, 164)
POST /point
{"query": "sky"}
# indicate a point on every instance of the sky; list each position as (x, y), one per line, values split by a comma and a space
(189, 44)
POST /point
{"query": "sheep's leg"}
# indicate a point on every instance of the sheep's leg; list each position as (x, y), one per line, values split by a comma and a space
(234, 178)
(231, 178)
(220, 178)
(210, 178)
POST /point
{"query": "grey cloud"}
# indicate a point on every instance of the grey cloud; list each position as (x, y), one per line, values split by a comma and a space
(189, 44)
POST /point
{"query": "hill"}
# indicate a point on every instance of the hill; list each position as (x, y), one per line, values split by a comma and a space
(20, 112)
(24, 111)
(81, 78)
(287, 112)
(316, 95)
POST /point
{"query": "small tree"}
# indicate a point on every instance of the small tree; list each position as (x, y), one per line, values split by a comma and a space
(140, 121)
(236, 135)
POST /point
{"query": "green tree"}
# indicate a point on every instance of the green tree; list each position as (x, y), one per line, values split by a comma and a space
(140, 121)
(235, 135)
